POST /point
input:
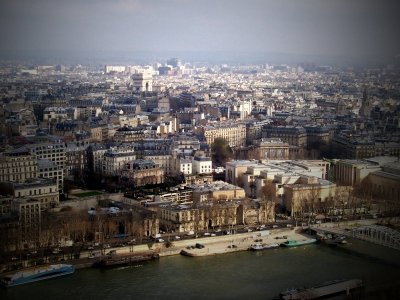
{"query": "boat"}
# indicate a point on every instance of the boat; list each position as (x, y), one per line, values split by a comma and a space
(125, 260)
(336, 240)
(294, 243)
(324, 290)
(37, 274)
(259, 246)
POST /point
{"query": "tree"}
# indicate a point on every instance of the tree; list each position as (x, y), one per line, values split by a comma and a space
(326, 206)
(363, 190)
(221, 152)
(268, 191)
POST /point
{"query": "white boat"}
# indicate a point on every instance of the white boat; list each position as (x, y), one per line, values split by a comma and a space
(258, 246)
(37, 274)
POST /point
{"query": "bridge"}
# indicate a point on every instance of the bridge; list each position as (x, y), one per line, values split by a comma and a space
(376, 234)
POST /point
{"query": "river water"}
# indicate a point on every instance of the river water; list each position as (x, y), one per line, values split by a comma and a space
(252, 275)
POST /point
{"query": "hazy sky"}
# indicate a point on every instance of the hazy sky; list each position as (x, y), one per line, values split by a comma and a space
(327, 27)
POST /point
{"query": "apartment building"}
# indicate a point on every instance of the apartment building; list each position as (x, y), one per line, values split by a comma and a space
(137, 173)
(54, 114)
(75, 159)
(129, 134)
(233, 133)
(184, 166)
(41, 189)
(296, 136)
(49, 169)
(254, 130)
(185, 218)
(29, 212)
(54, 152)
(202, 164)
(18, 165)
(161, 158)
(114, 161)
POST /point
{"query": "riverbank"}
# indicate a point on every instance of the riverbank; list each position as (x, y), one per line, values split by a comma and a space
(242, 242)
(212, 245)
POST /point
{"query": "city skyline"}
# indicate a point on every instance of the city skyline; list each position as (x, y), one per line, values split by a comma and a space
(308, 28)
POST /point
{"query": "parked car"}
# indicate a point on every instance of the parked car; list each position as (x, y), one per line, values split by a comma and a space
(111, 253)
(199, 246)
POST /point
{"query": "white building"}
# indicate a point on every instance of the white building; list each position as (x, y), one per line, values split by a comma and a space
(185, 166)
(114, 69)
(202, 165)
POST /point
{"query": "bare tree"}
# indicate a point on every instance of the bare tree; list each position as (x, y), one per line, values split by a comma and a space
(268, 191)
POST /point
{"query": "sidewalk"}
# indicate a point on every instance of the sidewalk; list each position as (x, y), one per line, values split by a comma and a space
(242, 242)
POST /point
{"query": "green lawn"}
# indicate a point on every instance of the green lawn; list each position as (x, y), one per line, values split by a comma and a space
(87, 194)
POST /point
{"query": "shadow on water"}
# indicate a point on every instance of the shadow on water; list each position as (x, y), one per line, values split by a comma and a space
(362, 254)
(389, 287)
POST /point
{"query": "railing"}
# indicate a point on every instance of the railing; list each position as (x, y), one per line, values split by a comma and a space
(378, 235)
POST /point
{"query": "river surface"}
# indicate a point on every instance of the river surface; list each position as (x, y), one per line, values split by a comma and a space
(251, 275)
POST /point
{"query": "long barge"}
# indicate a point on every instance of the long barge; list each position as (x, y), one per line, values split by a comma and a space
(113, 261)
(324, 290)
